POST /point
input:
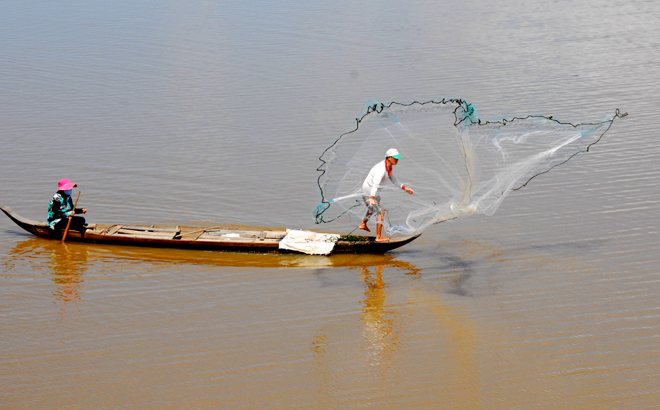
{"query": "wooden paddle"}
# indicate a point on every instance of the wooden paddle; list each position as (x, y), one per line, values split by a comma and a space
(69, 223)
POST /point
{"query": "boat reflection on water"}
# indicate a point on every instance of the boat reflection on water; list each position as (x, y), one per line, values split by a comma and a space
(73, 256)
(66, 265)
(68, 262)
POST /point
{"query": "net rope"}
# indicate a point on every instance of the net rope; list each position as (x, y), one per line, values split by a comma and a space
(457, 163)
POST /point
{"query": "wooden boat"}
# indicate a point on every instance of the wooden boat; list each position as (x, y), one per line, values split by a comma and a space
(189, 237)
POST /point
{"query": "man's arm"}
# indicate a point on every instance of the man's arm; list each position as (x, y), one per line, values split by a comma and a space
(396, 182)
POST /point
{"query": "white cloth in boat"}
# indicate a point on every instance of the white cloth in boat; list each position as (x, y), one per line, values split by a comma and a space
(311, 243)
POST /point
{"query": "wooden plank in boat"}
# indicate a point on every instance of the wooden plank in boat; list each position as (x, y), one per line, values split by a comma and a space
(275, 234)
(113, 230)
(144, 234)
(150, 229)
(248, 234)
(225, 239)
(137, 235)
(265, 237)
(133, 232)
(223, 232)
(143, 231)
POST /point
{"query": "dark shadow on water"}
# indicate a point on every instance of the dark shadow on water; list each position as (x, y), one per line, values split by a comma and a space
(470, 260)
(459, 284)
(567, 247)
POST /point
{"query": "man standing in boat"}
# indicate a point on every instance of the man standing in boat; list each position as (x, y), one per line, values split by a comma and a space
(370, 187)
(60, 208)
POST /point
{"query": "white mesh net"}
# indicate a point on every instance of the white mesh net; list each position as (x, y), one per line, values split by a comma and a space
(456, 164)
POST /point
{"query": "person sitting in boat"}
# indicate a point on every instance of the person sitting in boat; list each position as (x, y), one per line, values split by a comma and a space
(60, 209)
(370, 187)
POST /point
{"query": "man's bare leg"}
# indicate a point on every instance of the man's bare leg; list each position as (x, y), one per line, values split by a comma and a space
(379, 228)
(363, 225)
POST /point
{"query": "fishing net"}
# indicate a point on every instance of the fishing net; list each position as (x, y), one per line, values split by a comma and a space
(456, 163)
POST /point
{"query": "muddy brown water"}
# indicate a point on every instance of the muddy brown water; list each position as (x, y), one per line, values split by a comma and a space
(216, 113)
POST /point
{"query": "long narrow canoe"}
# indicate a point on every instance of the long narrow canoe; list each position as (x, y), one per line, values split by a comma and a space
(189, 237)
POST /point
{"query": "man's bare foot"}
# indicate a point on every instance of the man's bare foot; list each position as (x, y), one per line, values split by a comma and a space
(382, 239)
(363, 226)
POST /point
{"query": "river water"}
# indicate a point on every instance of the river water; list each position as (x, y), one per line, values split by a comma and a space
(208, 113)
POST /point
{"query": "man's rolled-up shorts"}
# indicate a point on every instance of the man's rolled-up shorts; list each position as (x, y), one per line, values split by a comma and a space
(373, 208)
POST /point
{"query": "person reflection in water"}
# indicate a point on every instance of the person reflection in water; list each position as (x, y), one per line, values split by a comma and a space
(60, 209)
(383, 322)
(67, 265)
(370, 188)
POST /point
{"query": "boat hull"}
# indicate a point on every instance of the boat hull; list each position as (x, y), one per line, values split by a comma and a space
(213, 239)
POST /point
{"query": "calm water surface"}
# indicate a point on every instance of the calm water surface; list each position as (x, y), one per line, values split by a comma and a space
(209, 113)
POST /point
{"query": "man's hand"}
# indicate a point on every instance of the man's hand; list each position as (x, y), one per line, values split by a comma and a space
(371, 201)
(408, 190)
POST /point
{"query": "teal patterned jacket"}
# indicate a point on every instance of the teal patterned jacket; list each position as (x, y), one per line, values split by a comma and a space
(60, 207)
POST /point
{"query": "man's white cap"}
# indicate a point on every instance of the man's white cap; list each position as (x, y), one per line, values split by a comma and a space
(392, 152)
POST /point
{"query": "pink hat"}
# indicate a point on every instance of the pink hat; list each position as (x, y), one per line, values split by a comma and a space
(65, 185)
